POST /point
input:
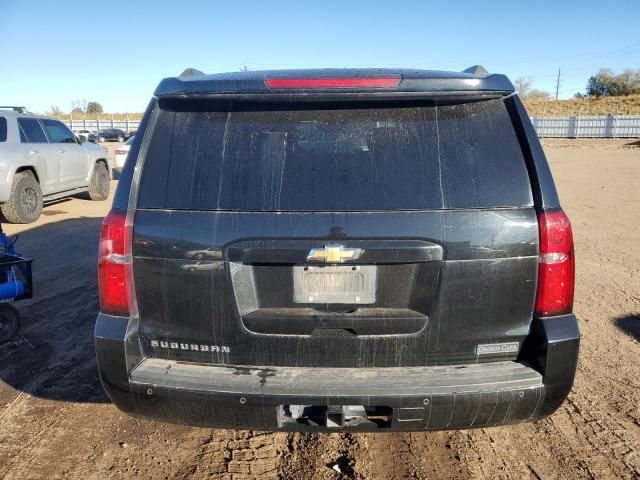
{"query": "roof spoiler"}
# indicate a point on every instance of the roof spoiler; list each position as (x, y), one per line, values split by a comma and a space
(335, 84)
(476, 70)
(14, 108)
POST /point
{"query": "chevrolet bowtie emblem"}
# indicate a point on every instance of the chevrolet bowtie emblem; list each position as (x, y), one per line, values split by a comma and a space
(333, 254)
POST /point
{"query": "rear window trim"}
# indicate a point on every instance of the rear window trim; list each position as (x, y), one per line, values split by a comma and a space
(330, 212)
(311, 97)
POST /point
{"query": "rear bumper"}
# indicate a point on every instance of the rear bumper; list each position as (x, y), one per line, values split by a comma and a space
(412, 398)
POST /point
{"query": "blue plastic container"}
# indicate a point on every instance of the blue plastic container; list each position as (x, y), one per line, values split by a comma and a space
(11, 290)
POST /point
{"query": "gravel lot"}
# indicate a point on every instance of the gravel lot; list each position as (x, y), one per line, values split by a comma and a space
(55, 422)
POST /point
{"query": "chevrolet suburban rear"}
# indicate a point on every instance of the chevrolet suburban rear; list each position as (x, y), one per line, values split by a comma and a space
(337, 250)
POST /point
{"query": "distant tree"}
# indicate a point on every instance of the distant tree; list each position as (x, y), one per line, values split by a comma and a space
(77, 111)
(523, 85)
(94, 107)
(630, 75)
(599, 85)
(607, 84)
(80, 104)
(54, 111)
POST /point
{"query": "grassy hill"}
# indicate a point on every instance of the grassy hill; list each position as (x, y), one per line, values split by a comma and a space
(629, 105)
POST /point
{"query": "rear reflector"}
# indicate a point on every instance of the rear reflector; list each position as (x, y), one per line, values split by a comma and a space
(114, 263)
(556, 269)
(388, 81)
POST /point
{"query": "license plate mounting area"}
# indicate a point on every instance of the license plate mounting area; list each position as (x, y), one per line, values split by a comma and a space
(337, 284)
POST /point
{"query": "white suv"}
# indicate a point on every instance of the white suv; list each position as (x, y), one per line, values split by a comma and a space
(42, 160)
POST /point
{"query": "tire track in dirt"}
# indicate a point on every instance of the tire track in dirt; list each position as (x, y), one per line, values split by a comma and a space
(606, 444)
(19, 437)
(388, 456)
(515, 452)
(235, 455)
(414, 455)
(335, 456)
(306, 456)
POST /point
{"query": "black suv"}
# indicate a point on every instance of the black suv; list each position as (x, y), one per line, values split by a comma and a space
(337, 249)
(112, 135)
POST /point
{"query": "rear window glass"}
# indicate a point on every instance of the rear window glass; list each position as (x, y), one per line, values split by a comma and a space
(3, 129)
(414, 157)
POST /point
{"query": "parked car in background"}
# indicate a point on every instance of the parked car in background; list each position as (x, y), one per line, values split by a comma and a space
(337, 249)
(111, 135)
(121, 154)
(42, 160)
(86, 135)
(132, 133)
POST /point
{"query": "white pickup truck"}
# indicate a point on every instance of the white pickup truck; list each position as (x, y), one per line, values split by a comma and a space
(42, 160)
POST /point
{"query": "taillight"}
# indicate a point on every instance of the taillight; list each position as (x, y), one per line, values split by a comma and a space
(114, 263)
(556, 269)
(386, 81)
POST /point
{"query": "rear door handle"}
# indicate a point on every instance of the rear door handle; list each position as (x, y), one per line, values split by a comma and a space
(61, 151)
(33, 152)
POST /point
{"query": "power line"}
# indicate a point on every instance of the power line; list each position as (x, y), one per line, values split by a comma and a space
(612, 53)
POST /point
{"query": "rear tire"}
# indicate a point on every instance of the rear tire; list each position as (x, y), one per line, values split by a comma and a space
(9, 322)
(99, 185)
(25, 200)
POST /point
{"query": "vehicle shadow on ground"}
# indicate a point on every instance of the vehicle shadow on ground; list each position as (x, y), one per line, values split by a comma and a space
(630, 324)
(52, 356)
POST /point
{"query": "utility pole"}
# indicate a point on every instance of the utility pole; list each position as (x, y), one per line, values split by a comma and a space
(558, 84)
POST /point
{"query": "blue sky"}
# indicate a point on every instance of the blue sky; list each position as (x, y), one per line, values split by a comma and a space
(115, 52)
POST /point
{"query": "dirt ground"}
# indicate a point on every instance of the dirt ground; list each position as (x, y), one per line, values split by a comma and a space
(55, 422)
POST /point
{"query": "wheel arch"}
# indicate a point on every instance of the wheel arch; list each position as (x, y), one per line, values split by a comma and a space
(29, 168)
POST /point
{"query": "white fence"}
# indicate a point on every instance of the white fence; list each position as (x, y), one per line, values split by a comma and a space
(95, 125)
(611, 126)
